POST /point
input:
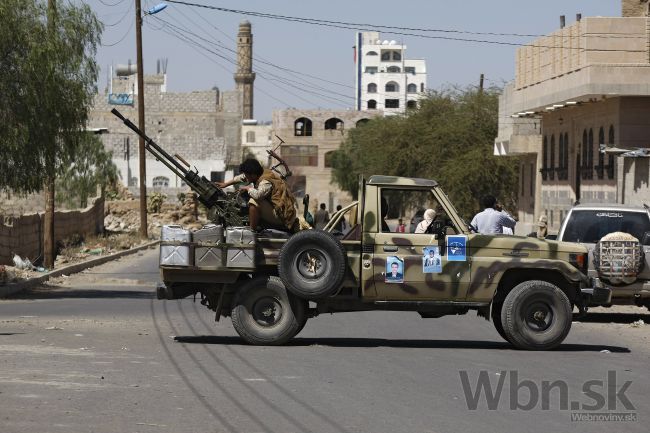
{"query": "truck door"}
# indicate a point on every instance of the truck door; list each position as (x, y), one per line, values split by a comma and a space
(416, 266)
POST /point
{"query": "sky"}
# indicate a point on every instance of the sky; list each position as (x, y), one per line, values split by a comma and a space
(321, 57)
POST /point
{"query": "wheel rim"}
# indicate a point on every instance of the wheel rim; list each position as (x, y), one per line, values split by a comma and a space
(312, 264)
(267, 311)
(538, 316)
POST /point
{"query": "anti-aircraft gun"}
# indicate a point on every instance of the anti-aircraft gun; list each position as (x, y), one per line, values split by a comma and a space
(223, 208)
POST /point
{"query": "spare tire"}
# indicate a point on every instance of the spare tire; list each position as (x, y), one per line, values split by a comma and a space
(618, 258)
(312, 264)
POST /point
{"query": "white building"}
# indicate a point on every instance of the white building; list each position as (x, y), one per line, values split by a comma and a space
(385, 79)
(257, 138)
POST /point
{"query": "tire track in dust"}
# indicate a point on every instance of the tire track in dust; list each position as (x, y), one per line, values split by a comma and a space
(302, 427)
(208, 375)
(183, 376)
(277, 385)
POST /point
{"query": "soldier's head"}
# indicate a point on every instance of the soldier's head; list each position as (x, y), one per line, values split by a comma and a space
(489, 201)
(252, 169)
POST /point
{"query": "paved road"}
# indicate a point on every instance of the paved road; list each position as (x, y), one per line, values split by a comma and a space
(99, 354)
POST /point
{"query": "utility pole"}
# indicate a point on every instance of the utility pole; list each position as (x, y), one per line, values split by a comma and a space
(480, 85)
(140, 74)
(48, 217)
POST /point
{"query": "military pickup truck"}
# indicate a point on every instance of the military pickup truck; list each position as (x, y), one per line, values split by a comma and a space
(526, 286)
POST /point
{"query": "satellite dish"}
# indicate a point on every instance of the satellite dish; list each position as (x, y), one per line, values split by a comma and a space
(385, 42)
(393, 42)
(378, 42)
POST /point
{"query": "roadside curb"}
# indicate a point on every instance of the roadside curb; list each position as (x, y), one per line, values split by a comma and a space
(10, 289)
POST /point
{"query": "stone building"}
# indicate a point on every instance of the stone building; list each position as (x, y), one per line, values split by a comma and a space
(580, 100)
(204, 127)
(309, 138)
(384, 79)
(200, 126)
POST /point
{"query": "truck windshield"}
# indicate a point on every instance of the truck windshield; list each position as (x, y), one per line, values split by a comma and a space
(588, 226)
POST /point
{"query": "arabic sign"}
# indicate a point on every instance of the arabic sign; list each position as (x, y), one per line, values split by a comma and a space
(120, 99)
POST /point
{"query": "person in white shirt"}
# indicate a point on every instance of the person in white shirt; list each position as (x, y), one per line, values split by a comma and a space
(493, 219)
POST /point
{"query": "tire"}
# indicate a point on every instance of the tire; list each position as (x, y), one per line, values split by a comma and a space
(264, 313)
(496, 319)
(536, 315)
(312, 264)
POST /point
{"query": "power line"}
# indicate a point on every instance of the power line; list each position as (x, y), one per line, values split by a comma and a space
(370, 27)
(111, 4)
(122, 18)
(122, 38)
(264, 72)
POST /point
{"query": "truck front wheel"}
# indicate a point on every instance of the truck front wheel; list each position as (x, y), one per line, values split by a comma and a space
(536, 315)
(264, 313)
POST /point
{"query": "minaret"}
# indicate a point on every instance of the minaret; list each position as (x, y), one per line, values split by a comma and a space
(245, 76)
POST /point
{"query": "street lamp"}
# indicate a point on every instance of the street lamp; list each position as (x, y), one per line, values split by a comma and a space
(141, 123)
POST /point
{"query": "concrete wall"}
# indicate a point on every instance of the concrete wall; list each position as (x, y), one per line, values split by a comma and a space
(23, 235)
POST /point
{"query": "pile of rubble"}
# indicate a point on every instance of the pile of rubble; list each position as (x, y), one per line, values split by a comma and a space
(123, 216)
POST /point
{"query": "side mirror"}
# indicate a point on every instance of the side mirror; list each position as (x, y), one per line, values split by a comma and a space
(645, 240)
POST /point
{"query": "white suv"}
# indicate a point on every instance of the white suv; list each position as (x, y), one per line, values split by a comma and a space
(618, 239)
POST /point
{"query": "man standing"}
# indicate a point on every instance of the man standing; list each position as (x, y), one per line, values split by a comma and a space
(493, 219)
(322, 217)
(271, 204)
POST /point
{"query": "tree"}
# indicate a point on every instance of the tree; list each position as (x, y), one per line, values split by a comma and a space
(449, 138)
(89, 168)
(47, 82)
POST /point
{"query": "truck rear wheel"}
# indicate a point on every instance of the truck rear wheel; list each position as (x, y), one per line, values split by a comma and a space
(312, 264)
(536, 315)
(264, 313)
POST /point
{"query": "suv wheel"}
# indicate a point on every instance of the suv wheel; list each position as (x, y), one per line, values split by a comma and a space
(536, 315)
(264, 313)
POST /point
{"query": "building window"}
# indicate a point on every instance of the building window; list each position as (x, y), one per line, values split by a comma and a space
(372, 88)
(328, 159)
(392, 86)
(532, 179)
(393, 69)
(565, 157)
(372, 104)
(391, 103)
(412, 88)
(297, 185)
(302, 127)
(610, 158)
(544, 158)
(371, 53)
(397, 55)
(250, 137)
(217, 176)
(560, 161)
(583, 165)
(361, 122)
(334, 123)
(600, 168)
(371, 69)
(521, 175)
(411, 104)
(590, 155)
(551, 168)
(299, 155)
(385, 55)
(160, 182)
(409, 69)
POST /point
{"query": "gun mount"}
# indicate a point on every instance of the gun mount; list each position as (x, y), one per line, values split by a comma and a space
(223, 208)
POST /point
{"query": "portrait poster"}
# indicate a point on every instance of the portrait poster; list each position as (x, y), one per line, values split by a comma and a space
(456, 248)
(431, 260)
(394, 270)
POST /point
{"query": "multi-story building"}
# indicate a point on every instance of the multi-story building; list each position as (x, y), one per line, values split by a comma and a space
(310, 137)
(579, 102)
(385, 79)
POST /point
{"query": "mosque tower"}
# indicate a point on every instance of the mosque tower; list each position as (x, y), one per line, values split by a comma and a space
(245, 76)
